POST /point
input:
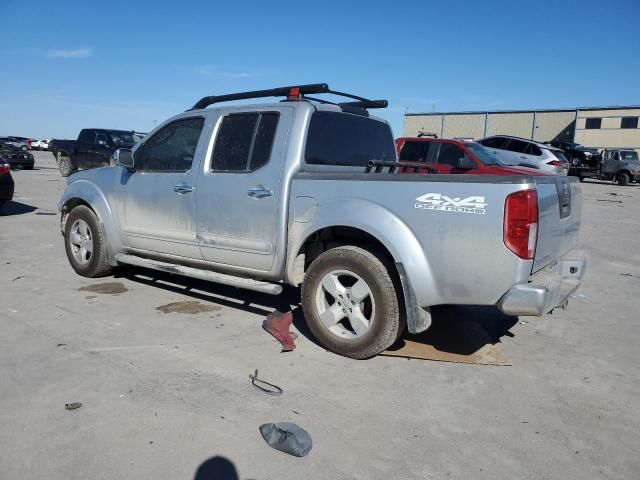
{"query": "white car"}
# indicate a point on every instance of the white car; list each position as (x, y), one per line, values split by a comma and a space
(40, 144)
(527, 153)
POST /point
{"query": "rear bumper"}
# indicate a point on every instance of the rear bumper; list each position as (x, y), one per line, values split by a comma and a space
(6, 187)
(547, 289)
(21, 162)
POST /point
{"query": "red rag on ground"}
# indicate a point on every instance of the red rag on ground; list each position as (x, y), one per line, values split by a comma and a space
(277, 324)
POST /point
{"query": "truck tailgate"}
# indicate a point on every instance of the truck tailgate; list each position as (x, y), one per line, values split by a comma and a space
(560, 210)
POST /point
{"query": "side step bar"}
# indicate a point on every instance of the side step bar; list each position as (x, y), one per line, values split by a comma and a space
(239, 282)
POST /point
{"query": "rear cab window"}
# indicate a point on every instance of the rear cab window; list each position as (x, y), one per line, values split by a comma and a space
(345, 139)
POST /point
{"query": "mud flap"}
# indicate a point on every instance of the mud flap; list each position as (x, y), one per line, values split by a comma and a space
(418, 319)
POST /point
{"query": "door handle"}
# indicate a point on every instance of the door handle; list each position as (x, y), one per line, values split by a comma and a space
(259, 192)
(523, 157)
(183, 188)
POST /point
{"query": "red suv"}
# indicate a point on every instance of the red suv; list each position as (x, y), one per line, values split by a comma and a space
(455, 156)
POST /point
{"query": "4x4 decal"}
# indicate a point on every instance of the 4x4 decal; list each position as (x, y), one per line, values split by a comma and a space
(437, 201)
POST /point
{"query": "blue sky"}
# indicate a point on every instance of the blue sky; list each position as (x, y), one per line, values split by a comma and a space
(69, 65)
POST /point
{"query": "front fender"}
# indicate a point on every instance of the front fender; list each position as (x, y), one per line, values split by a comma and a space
(87, 192)
(377, 221)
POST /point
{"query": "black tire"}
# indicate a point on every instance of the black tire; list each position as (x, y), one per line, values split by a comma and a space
(623, 179)
(581, 179)
(97, 265)
(65, 165)
(24, 148)
(29, 167)
(388, 321)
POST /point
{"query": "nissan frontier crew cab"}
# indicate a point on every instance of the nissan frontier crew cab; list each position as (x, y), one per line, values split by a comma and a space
(257, 196)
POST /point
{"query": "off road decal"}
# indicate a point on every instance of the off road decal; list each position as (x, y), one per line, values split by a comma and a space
(437, 201)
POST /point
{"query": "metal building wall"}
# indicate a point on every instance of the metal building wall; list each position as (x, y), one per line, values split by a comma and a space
(464, 125)
(549, 124)
(415, 124)
(541, 126)
(516, 124)
(609, 134)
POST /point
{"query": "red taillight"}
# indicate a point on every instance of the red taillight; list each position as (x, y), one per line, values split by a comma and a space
(4, 168)
(521, 223)
(555, 163)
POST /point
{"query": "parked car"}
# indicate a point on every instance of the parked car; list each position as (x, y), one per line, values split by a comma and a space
(527, 153)
(584, 162)
(6, 183)
(26, 140)
(16, 157)
(138, 136)
(257, 196)
(620, 165)
(442, 155)
(92, 149)
(40, 144)
(24, 146)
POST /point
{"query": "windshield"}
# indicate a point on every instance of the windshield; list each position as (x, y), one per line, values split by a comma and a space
(629, 155)
(484, 155)
(120, 137)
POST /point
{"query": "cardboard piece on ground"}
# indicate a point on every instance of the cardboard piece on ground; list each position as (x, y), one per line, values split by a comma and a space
(462, 342)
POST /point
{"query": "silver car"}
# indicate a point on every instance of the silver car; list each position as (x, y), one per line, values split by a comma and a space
(527, 153)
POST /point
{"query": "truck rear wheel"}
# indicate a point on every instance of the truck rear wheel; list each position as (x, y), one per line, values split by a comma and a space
(623, 179)
(65, 165)
(350, 302)
(84, 242)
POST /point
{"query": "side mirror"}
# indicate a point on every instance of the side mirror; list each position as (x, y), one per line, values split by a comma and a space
(124, 157)
(466, 163)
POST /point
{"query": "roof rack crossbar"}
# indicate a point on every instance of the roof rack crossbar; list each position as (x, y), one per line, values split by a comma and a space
(273, 92)
(294, 92)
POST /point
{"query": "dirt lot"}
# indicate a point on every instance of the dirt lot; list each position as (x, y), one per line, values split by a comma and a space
(165, 388)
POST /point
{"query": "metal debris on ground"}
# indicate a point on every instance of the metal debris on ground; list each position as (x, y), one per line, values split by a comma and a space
(72, 406)
(611, 201)
(287, 437)
(274, 390)
(277, 324)
(630, 275)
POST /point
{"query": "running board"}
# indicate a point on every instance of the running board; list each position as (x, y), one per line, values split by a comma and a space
(239, 282)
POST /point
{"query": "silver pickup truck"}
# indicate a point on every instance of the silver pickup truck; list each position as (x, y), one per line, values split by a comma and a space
(280, 193)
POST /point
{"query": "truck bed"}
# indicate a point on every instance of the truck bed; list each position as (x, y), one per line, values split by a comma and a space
(458, 256)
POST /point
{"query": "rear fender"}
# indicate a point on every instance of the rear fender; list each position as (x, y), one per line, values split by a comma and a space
(377, 221)
(83, 191)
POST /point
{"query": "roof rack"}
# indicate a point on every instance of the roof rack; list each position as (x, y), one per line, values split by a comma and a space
(295, 93)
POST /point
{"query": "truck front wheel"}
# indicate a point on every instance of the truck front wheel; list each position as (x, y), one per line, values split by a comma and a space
(65, 165)
(350, 302)
(623, 179)
(84, 242)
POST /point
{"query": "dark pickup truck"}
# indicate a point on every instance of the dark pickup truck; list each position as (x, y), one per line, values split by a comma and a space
(92, 149)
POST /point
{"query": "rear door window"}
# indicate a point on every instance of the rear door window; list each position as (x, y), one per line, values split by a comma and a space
(517, 146)
(244, 142)
(337, 138)
(495, 142)
(413, 151)
(533, 150)
(87, 136)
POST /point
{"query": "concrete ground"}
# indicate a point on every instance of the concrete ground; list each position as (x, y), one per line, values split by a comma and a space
(168, 395)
